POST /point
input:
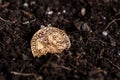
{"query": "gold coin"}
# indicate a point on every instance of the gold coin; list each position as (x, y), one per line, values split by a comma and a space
(49, 40)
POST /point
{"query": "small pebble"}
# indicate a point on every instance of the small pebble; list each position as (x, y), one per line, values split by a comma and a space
(105, 33)
(49, 25)
(83, 11)
(119, 54)
(59, 13)
(50, 12)
(25, 4)
(42, 26)
(64, 11)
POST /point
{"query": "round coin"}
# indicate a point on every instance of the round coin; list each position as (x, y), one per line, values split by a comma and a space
(49, 40)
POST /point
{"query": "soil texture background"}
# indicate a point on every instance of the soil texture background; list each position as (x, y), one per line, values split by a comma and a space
(93, 27)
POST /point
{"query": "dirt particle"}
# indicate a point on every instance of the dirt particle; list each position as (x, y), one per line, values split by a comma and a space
(85, 27)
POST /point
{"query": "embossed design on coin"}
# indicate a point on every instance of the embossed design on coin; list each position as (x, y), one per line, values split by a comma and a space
(49, 40)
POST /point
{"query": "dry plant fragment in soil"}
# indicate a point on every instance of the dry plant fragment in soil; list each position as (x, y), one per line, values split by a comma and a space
(49, 40)
(27, 74)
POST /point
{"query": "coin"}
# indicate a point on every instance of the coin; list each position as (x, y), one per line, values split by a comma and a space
(49, 40)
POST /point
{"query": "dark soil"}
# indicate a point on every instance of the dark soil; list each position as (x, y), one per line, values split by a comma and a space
(92, 25)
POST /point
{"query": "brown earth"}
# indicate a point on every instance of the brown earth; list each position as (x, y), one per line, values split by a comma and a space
(92, 25)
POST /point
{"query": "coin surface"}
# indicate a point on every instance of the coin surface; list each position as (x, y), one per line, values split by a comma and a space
(49, 40)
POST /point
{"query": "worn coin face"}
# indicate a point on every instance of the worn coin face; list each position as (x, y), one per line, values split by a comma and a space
(49, 40)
